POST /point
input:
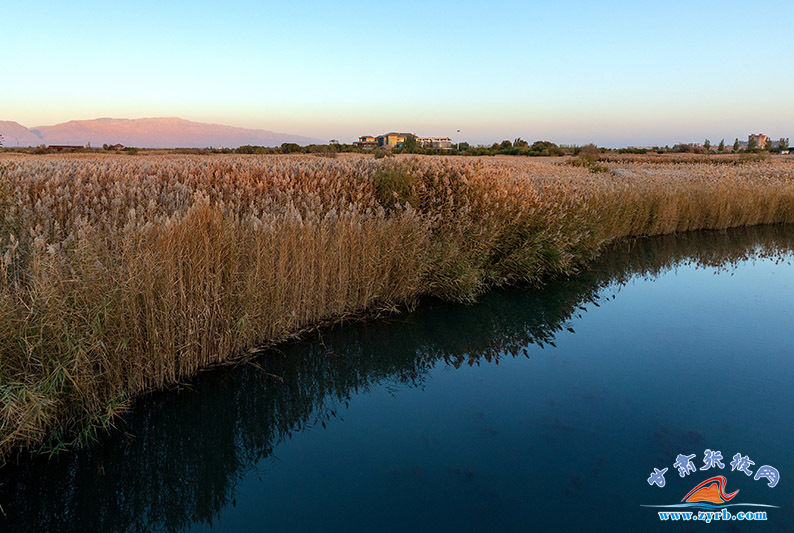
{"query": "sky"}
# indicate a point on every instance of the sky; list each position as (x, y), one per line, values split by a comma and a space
(614, 73)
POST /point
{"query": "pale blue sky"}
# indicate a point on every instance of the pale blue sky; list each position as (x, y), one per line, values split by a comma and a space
(615, 73)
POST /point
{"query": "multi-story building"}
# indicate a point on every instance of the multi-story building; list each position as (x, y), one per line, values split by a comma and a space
(760, 139)
(394, 140)
(366, 142)
(438, 143)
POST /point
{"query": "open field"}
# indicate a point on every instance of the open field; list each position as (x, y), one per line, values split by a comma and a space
(121, 273)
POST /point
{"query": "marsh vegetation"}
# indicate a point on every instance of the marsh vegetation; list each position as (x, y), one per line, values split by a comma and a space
(120, 275)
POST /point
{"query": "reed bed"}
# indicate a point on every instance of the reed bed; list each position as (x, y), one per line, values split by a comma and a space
(125, 274)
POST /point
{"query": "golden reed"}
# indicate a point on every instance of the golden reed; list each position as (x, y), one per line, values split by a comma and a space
(123, 274)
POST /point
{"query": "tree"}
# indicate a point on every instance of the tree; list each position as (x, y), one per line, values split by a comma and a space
(289, 148)
(736, 145)
(410, 146)
(520, 143)
(707, 145)
(506, 144)
(545, 148)
(380, 153)
(783, 143)
(322, 150)
(752, 144)
(721, 147)
(589, 154)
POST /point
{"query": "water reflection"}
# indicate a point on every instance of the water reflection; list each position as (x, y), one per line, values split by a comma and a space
(180, 454)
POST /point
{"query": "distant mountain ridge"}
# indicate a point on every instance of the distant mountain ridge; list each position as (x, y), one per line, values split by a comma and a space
(160, 132)
(15, 134)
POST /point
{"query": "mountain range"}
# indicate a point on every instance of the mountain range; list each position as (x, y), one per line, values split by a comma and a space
(163, 132)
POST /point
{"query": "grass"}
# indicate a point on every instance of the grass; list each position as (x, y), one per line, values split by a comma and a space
(123, 274)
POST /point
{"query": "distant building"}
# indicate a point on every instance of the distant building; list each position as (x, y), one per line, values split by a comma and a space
(64, 147)
(394, 140)
(688, 147)
(761, 140)
(366, 142)
(117, 147)
(438, 143)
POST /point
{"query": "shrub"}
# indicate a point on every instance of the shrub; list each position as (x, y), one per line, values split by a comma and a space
(753, 157)
(322, 150)
(587, 157)
(596, 168)
(290, 148)
(394, 186)
(589, 154)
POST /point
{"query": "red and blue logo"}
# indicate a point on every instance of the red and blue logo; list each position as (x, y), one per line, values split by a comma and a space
(712, 493)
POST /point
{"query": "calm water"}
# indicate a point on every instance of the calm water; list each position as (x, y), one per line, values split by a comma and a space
(533, 409)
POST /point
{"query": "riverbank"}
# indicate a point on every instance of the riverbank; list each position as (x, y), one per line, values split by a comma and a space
(122, 275)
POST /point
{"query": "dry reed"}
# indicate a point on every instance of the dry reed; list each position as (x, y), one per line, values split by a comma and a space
(121, 275)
